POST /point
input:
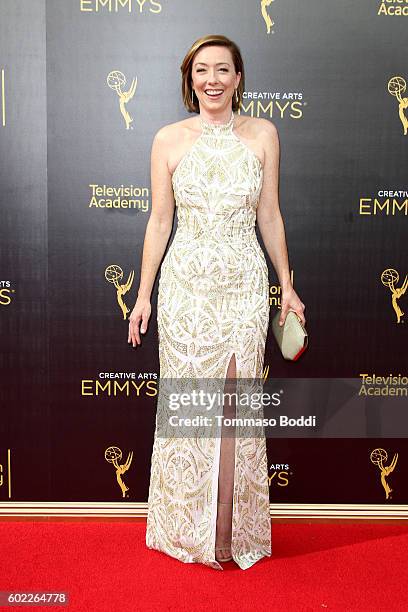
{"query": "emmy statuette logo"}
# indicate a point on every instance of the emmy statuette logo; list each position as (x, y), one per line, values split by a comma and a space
(378, 457)
(396, 86)
(116, 80)
(113, 455)
(389, 278)
(267, 18)
(114, 274)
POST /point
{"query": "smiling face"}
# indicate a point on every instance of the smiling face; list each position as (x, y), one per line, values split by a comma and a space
(214, 78)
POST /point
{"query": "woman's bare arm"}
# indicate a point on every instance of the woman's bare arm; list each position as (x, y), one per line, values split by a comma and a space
(158, 230)
(160, 222)
(270, 220)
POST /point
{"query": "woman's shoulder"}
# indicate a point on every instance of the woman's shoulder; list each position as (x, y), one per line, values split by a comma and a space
(257, 126)
(261, 134)
(171, 132)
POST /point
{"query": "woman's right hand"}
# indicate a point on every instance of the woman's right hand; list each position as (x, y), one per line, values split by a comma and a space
(140, 313)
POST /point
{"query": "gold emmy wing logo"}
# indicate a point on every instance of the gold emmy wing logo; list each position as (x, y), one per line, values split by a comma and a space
(396, 86)
(265, 373)
(389, 278)
(378, 457)
(113, 455)
(114, 274)
(267, 18)
(116, 80)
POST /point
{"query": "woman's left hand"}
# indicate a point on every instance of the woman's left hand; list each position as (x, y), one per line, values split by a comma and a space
(291, 301)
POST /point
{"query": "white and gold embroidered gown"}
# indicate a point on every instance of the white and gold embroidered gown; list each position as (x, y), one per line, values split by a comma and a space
(212, 303)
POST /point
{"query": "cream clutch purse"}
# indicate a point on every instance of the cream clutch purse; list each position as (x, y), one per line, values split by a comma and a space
(291, 337)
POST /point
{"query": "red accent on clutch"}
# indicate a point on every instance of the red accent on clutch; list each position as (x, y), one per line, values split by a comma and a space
(302, 350)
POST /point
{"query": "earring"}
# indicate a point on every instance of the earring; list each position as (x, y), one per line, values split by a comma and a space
(236, 96)
(192, 96)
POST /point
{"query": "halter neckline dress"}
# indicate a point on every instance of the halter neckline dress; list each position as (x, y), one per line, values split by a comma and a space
(212, 304)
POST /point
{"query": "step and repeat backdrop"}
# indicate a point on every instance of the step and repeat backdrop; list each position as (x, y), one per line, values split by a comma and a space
(85, 85)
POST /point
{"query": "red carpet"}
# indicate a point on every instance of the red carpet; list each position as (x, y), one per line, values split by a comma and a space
(106, 566)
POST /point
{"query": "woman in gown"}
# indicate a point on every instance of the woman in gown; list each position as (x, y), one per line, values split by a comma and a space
(209, 497)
